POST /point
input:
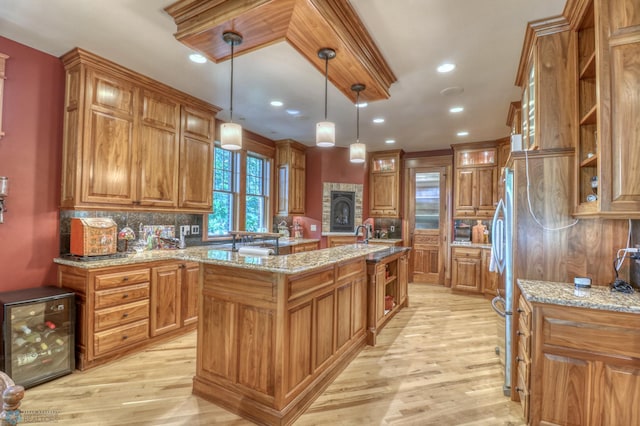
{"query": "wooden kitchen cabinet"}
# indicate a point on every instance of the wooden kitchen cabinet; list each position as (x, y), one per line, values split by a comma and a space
(489, 280)
(387, 291)
(122, 309)
(166, 306)
(302, 247)
(190, 293)
(384, 184)
(466, 269)
(523, 357)
(608, 45)
(291, 178)
(129, 142)
(476, 180)
(584, 366)
(340, 240)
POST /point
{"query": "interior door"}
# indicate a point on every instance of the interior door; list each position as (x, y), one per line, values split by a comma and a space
(427, 220)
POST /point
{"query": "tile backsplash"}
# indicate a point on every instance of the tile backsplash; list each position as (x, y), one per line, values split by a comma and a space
(133, 220)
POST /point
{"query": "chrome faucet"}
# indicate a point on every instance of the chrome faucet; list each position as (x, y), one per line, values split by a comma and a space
(366, 233)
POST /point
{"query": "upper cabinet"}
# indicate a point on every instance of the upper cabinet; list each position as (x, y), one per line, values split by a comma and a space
(384, 184)
(607, 133)
(133, 143)
(547, 79)
(291, 177)
(476, 180)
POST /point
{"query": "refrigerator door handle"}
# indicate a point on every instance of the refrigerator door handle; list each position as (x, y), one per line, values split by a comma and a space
(498, 246)
(494, 305)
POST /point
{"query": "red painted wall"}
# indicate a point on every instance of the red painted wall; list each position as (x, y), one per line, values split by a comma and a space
(30, 156)
(330, 165)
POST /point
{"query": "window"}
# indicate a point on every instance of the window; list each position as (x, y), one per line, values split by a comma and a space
(221, 221)
(257, 194)
(239, 205)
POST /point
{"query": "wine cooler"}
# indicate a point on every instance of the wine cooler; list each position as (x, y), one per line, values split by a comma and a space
(38, 327)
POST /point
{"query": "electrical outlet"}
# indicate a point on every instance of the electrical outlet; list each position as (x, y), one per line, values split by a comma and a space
(392, 228)
(313, 228)
(184, 230)
(195, 229)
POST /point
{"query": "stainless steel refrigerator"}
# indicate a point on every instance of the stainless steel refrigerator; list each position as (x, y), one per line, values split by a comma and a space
(502, 261)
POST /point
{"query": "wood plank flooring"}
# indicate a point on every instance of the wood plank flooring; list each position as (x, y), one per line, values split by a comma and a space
(434, 364)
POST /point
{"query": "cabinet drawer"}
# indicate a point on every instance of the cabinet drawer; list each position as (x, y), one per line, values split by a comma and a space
(523, 392)
(116, 338)
(119, 296)
(524, 311)
(124, 314)
(118, 279)
(524, 343)
(523, 362)
(466, 252)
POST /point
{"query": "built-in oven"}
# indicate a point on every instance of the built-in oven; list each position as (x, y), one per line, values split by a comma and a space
(461, 231)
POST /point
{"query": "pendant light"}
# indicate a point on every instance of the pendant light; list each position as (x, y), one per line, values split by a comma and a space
(231, 133)
(326, 130)
(357, 150)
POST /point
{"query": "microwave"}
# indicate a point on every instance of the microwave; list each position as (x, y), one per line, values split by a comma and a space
(93, 236)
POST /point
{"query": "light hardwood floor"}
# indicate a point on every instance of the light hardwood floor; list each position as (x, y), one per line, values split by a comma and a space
(434, 364)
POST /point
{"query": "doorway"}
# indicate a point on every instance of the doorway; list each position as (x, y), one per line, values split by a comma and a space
(427, 224)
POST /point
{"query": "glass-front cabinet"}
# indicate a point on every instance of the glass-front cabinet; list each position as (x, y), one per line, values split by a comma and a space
(427, 200)
(529, 111)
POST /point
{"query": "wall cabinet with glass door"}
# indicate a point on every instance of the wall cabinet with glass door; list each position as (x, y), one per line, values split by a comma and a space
(291, 175)
(546, 77)
(384, 184)
(476, 172)
(132, 143)
(608, 75)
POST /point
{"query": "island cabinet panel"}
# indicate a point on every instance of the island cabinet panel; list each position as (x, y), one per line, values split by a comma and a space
(166, 307)
(269, 343)
(190, 292)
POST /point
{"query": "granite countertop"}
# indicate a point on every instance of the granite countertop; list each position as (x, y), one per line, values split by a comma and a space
(596, 297)
(385, 240)
(378, 256)
(284, 242)
(289, 264)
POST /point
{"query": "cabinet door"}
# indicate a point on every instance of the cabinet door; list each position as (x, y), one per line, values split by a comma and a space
(165, 298)
(489, 279)
(614, 390)
(465, 274)
(108, 167)
(196, 160)
(384, 194)
(158, 150)
(403, 274)
(487, 191)
(465, 202)
(282, 204)
(563, 391)
(190, 292)
(297, 190)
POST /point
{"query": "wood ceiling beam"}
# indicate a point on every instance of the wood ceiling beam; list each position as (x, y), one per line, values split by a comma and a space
(307, 25)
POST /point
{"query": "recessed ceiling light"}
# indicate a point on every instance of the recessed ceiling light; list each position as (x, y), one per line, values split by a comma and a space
(390, 141)
(362, 104)
(293, 112)
(446, 67)
(463, 133)
(378, 120)
(277, 103)
(456, 109)
(197, 58)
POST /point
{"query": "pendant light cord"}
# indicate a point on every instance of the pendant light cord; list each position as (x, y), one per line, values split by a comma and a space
(231, 89)
(358, 116)
(326, 78)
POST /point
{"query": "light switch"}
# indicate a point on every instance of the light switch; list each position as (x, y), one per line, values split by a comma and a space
(195, 229)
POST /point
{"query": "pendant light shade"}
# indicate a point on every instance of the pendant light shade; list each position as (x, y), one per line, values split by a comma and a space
(326, 130)
(231, 133)
(357, 150)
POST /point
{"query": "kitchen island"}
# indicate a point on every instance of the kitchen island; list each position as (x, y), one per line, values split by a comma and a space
(274, 332)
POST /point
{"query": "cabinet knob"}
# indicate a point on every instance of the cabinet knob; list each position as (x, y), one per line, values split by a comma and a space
(124, 296)
(125, 315)
(125, 337)
(519, 333)
(182, 266)
(125, 279)
(519, 389)
(519, 310)
(518, 359)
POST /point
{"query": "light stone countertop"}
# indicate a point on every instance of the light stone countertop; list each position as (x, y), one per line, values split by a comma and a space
(288, 264)
(596, 297)
(475, 245)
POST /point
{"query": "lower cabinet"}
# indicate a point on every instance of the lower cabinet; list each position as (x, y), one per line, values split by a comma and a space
(466, 269)
(302, 247)
(340, 240)
(585, 366)
(470, 271)
(387, 291)
(122, 309)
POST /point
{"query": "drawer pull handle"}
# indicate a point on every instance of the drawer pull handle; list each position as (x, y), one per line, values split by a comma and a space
(518, 359)
(125, 279)
(124, 296)
(519, 310)
(519, 333)
(125, 315)
(519, 390)
(125, 337)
